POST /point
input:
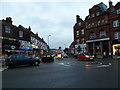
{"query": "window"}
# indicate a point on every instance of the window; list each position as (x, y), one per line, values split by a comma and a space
(116, 35)
(21, 34)
(83, 40)
(93, 15)
(89, 25)
(98, 13)
(102, 33)
(98, 22)
(118, 11)
(103, 21)
(92, 24)
(82, 30)
(115, 23)
(79, 24)
(77, 33)
(7, 29)
(77, 41)
(92, 35)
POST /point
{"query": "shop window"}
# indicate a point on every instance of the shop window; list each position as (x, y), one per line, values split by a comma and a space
(7, 29)
(116, 23)
(102, 34)
(20, 34)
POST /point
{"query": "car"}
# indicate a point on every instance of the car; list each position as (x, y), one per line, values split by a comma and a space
(48, 57)
(21, 59)
(85, 56)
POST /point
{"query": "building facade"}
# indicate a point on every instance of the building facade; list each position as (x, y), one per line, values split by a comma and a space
(20, 39)
(99, 33)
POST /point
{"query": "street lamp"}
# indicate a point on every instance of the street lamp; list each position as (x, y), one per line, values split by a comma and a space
(48, 39)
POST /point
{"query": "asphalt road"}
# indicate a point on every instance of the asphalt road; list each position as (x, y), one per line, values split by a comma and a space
(64, 73)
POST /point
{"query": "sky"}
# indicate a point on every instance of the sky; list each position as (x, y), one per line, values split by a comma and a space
(51, 19)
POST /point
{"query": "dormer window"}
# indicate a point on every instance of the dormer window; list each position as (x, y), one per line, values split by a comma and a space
(98, 13)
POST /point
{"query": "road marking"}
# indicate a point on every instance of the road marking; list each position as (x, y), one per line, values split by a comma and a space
(65, 64)
(109, 64)
(2, 69)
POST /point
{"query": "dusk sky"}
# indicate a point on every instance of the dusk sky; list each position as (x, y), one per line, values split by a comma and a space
(49, 17)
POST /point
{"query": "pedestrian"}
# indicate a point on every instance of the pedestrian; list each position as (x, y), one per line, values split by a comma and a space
(109, 54)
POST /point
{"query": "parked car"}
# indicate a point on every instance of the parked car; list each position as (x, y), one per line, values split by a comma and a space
(85, 56)
(48, 57)
(21, 59)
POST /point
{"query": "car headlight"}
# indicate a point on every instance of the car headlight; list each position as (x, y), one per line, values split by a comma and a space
(86, 56)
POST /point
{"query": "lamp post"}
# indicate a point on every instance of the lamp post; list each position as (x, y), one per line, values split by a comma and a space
(48, 39)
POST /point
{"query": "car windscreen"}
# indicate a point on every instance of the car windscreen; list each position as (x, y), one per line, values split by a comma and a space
(47, 54)
(87, 54)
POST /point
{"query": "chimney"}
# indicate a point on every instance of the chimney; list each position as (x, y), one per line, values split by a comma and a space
(9, 20)
(110, 3)
(29, 28)
(77, 18)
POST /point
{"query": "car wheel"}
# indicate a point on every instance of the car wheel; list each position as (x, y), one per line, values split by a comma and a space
(36, 63)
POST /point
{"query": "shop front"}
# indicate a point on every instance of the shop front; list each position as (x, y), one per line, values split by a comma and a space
(26, 46)
(10, 46)
(99, 46)
(116, 47)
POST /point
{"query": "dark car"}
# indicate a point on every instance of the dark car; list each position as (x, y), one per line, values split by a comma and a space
(85, 56)
(21, 59)
(48, 57)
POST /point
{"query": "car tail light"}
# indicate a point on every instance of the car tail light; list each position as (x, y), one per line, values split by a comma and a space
(52, 55)
(10, 60)
(44, 56)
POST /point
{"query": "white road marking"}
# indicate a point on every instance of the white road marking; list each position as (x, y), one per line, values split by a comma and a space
(2, 69)
(65, 64)
(109, 64)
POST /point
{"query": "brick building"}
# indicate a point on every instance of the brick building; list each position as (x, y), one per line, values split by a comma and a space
(100, 31)
(20, 39)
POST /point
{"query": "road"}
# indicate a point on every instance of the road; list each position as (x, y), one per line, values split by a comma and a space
(64, 73)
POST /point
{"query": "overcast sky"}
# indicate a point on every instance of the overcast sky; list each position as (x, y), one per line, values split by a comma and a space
(49, 17)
